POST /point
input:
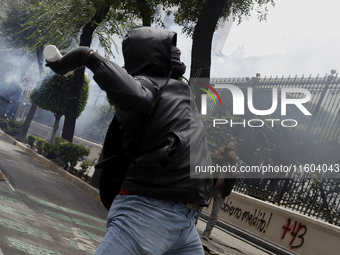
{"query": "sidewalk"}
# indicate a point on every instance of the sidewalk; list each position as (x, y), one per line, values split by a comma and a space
(221, 243)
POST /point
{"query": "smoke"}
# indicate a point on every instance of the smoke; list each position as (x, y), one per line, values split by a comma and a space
(13, 76)
(97, 97)
(14, 64)
(292, 42)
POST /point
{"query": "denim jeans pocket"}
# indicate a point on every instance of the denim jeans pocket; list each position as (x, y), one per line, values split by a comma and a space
(160, 203)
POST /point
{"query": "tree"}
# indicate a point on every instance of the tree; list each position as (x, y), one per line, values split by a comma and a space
(146, 10)
(53, 19)
(199, 20)
(66, 23)
(104, 18)
(52, 94)
(101, 17)
(12, 15)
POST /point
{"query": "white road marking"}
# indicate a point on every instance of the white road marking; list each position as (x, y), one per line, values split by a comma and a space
(10, 185)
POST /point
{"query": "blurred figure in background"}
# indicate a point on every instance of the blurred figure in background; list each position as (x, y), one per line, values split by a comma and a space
(223, 186)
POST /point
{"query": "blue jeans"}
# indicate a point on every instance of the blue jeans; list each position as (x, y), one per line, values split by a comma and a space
(139, 225)
(214, 193)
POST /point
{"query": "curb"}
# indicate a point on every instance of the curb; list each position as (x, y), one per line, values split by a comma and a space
(251, 239)
(75, 181)
(2, 177)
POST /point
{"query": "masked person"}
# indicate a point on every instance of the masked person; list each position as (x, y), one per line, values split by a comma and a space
(222, 187)
(146, 156)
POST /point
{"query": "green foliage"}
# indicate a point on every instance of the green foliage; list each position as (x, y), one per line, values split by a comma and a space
(12, 131)
(65, 152)
(188, 12)
(12, 17)
(3, 124)
(50, 150)
(72, 153)
(33, 24)
(85, 165)
(53, 90)
(59, 22)
(15, 124)
(13, 127)
(31, 140)
(50, 22)
(40, 144)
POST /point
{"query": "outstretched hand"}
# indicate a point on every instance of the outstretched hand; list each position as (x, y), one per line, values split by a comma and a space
(70, 61)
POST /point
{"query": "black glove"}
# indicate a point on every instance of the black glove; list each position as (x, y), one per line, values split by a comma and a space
(72, 60)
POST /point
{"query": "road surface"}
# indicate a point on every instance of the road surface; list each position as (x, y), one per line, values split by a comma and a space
(41, 213)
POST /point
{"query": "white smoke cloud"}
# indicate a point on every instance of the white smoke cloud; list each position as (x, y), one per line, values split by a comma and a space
(299, 38)
(15, 64)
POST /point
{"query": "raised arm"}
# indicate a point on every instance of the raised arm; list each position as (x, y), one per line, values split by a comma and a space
(127, 94)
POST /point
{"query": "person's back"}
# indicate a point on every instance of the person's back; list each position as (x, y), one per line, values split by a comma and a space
(154, 211)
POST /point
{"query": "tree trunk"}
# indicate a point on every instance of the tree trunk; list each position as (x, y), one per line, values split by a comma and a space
(55, 126)
(73, 101)
(145, 12)
(72, 105)
(202, 41)
(24, 129)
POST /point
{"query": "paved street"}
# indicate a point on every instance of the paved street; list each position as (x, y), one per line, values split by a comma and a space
(41, 213)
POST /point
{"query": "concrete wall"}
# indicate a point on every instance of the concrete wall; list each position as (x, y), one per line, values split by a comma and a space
(293, 231)
(95, 148)
(40, 130)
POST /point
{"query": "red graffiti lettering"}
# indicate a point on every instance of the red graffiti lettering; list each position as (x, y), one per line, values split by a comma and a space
(294, 230)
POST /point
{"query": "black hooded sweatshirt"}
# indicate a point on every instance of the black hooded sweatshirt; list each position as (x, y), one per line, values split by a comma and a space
(174, 141)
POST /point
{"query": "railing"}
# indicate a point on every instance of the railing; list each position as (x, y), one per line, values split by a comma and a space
(314, 142)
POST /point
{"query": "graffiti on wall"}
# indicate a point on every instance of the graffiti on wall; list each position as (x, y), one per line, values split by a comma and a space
(297, 232)
(256, 218)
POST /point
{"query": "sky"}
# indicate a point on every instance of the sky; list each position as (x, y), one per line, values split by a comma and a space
(300, 37)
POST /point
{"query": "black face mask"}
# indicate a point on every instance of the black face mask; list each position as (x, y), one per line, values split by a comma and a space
(178, 67)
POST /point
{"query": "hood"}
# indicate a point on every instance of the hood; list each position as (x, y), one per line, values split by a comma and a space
(147, 51)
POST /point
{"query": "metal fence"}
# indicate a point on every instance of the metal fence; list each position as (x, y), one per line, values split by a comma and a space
(314, 141)
(324, 104)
